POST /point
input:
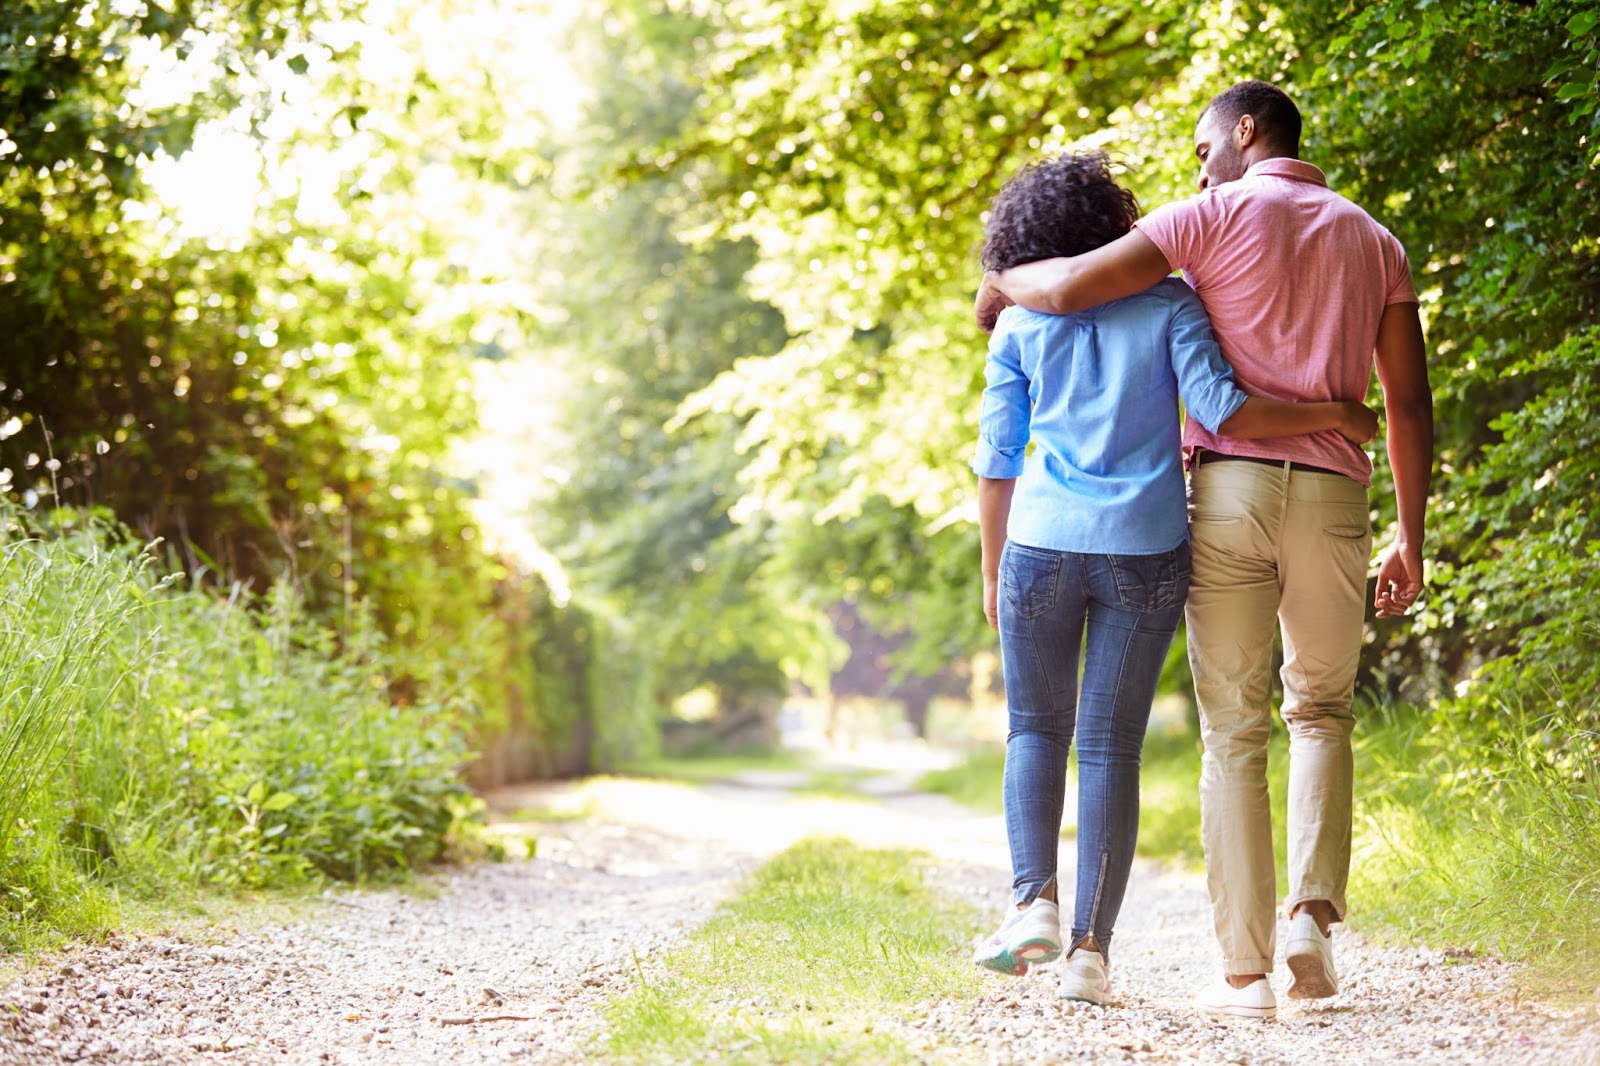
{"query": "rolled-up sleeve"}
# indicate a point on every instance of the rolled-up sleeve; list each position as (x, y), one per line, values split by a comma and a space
(1003, 423)
(1205, 381)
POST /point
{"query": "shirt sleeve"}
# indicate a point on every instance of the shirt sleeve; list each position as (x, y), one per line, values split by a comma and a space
(1178, 230)
(1398, 267)
(1205, 380)
(1003, 423)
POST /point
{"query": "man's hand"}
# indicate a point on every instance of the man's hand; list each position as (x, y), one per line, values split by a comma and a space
(1399, 580)
(1359, 423)
(991, 601)
(990, 302)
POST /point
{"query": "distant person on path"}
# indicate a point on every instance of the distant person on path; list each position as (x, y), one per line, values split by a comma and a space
(1093, 542)
(1302, 287)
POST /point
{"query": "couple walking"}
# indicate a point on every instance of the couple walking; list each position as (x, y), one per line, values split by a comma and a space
(1294, 289)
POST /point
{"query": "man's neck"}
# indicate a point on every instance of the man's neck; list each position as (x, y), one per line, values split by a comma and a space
(1254, 155)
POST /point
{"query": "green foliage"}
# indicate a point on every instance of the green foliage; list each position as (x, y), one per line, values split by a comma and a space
(643, 514)
(56, 614)
(281, 398)
(822, 943)
(859, 156)
(1470, 128)
(1526, 577)
(185, 740)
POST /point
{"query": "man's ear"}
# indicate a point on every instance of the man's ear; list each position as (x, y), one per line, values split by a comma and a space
(1245, 132)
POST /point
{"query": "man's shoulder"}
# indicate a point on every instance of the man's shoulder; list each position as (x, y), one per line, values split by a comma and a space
(1201, 203)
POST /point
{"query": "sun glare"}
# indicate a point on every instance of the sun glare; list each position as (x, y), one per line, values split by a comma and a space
(213, 190)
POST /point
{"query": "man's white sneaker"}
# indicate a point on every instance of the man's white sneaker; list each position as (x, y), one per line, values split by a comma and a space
(1254, 1000)
(1028, 937)
(1309, 956)
(1086, 978)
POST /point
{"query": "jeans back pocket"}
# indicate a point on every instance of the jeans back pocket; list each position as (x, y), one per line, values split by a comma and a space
(1152, 582)
(1029, 577)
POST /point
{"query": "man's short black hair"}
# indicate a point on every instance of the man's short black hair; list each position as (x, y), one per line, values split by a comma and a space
(1277, 119)
(1063, 206)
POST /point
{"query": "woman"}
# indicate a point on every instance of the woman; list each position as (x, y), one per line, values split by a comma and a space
(1091, 549)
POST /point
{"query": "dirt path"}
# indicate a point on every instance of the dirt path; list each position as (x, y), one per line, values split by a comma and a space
(509, 962)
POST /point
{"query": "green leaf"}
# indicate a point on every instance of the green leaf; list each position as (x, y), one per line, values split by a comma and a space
(280, 801)
(1558, 68)
(1582, 22)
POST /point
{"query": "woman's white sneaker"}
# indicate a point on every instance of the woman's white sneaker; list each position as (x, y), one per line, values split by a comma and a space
(1086, 978)
(1028, 937)
(1254, 1000)
(1309, 956)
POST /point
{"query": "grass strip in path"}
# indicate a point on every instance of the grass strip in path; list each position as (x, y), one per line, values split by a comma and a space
(820, 958)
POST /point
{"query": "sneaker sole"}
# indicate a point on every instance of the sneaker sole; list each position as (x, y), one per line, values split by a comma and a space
(1309, 978)
(1259, 1014)
(1015, 963)
(1084, 994)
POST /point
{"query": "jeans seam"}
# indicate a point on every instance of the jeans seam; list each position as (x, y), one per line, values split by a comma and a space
(1099, 888)
(1105, 799)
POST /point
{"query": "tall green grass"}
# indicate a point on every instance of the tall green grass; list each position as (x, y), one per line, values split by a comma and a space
(813, 962)
(159, 737)
(1490, 842)
(63, 602)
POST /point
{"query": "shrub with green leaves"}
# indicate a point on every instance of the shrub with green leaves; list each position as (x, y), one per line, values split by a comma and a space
(1524, 577)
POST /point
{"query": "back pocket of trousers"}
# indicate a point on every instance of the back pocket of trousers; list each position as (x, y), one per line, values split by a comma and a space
(1152, 582)
(1029, 577)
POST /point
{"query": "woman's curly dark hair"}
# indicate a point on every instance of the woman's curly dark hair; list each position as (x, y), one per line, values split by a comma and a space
(1062, 206)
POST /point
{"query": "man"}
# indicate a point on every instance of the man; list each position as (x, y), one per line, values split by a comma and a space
(1303, 288)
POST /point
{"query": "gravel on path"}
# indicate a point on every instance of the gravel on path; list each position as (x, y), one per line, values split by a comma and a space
(510, 962)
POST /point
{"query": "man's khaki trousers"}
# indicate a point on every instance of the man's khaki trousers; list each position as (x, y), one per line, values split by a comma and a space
(1274, 545)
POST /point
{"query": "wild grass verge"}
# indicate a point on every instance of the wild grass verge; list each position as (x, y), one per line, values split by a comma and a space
(1487, 839)
(818, 959)
(974, 781)
(156, 738)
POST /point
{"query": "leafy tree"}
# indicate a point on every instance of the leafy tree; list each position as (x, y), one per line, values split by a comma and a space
(649, 316)
(284, 399)
(1474, 125)
(860, 152)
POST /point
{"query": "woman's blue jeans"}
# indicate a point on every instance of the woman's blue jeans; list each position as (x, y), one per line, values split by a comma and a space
(1122, 611)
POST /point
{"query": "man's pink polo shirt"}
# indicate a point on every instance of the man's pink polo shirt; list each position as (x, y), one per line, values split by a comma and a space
(1295, 279)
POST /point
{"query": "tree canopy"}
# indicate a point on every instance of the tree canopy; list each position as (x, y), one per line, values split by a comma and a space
(858, 144)
(744, 263)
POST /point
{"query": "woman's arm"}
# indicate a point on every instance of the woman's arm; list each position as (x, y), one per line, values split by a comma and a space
(994, 510)
(1214, 399)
